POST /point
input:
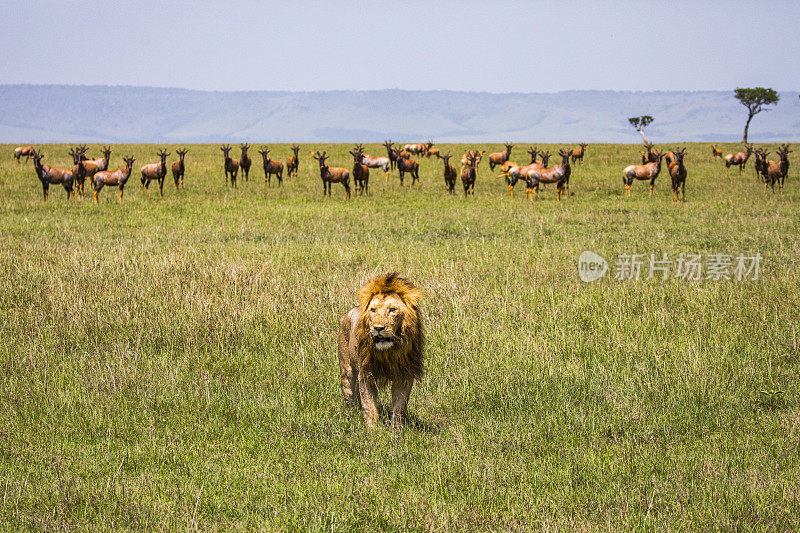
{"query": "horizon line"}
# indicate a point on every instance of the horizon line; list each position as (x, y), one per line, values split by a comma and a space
(388, 89)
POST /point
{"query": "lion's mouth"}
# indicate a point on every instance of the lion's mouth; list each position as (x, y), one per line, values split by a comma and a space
(383, 342)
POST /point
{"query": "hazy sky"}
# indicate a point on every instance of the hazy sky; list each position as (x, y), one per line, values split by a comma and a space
(511, 46)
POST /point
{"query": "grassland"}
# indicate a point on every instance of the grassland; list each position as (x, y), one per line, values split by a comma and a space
(169, 363)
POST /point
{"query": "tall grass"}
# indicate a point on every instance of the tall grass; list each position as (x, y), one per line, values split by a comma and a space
(169, 363)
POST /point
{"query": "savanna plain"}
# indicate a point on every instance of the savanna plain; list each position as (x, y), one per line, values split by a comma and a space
(170, 363)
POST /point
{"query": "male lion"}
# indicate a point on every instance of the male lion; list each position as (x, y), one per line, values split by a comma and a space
(382, 340)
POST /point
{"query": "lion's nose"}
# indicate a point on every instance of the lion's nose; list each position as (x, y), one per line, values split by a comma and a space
(379, 328)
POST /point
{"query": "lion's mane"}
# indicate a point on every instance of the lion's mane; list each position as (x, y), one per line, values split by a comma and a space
(405, 359)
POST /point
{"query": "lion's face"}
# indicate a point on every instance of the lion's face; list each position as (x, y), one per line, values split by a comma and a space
(385, 313)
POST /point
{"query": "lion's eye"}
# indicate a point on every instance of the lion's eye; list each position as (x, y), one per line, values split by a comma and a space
(372, 310)
(392, 309)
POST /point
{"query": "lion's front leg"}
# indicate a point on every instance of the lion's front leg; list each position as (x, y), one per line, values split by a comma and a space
(349, 380)
(348, 374)
(401, 390)
(368, 391)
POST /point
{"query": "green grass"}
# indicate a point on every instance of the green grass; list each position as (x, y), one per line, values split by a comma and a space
(169, 363)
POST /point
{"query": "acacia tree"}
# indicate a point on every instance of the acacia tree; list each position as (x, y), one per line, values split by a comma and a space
(753, 98)
(640, 123)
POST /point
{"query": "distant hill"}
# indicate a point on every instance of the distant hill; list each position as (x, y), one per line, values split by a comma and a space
(50, 113)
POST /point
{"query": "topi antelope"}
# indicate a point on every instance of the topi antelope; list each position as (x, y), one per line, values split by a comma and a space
(392, 155)
(429, 149)
(469, 173)
(715, 152)
(245, 161)
(374, 162)
(578, 153)
(82, 149)
(505, 167)
(179, 168)
(51, 175)
(648, 171)
(78, 169)
(498, 158)
(515, 175)
(760, 164)
(155, 172)
(449, 173)
(776, 172)
(117, 177)
(271, 166)
(332, 175)
(534, 152)
(670, 157)
(417, 149)
(544, 161)
(405, 164)
(86, 168)
(520, 172)
(231, 165)
(568, 173)
(677, 171)
(478, 156)
(360, 170)
(27, 151)
(738, 159)
(102, 162)
(558, 174)
(293, 163)
(648, 155)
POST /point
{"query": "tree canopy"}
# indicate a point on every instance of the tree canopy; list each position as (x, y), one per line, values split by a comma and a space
(754, 98)
(640, 123)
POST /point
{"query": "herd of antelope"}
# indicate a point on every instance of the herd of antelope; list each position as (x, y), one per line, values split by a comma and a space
(768, 172)
(534, 174)
(96, 170)
(651, 167)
